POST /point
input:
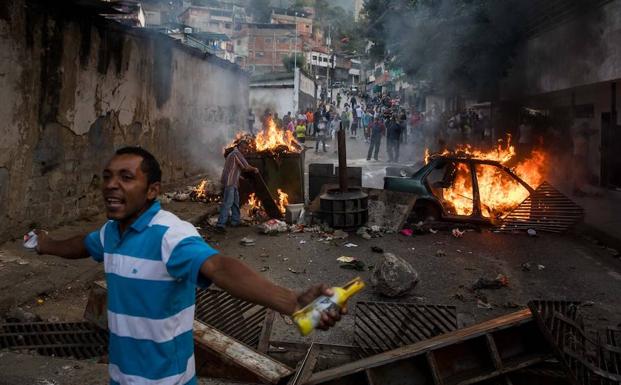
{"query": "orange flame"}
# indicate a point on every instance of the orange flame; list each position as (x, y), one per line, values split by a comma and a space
(253, 202)
(283, 201)
(271, 138)
(499, 193)
(200, 191)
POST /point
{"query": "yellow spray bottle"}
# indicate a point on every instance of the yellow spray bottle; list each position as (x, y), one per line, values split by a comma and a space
(308, 317)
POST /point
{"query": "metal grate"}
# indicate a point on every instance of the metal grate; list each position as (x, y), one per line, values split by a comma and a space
(546, 209)
(587, 360)
(238, 319)
(383, 326)
(80, 340)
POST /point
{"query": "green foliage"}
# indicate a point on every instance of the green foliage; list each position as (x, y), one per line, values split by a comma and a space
(289, 61)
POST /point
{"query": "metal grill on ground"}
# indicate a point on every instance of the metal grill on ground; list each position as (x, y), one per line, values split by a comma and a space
(546, 209)
(239, 319)
(79, 340)
(383, 326)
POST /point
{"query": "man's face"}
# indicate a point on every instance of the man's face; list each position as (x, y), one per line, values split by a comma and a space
(126, 191)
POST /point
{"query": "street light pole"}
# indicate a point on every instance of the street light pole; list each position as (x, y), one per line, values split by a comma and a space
(295, 48)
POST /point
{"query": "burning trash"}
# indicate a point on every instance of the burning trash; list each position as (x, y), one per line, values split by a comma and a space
(270, 140)
(205, 192)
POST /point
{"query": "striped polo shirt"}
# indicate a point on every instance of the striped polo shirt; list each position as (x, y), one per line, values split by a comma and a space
(233, 166)
(151, 272)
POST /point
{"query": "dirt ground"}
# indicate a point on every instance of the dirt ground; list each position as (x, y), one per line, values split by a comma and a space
(572, 268)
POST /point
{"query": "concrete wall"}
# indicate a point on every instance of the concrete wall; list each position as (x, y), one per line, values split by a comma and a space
(75, 87)
(278, 99)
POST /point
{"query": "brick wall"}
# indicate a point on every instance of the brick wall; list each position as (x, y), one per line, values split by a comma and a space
(75, 87)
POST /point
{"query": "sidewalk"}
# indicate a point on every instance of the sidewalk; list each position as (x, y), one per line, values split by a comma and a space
(602, 218)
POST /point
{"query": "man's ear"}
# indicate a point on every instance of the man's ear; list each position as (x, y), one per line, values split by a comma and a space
(153, 190)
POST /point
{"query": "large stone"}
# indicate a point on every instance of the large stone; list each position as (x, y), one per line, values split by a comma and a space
(394, 276)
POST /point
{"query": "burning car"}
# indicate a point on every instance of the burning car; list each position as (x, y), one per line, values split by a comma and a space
(448, 188)
(488, 187)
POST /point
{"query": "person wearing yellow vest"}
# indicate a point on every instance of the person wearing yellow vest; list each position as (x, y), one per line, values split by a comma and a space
(300, 132)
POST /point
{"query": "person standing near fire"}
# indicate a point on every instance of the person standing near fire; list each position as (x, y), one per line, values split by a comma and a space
(153, 262)
(234, 165)
(376, 131)
(300, 132)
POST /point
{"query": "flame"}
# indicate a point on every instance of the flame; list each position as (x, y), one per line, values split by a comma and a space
(200, 191)
(253, 202)
(499, 192)
(283, 201)
(271, 139)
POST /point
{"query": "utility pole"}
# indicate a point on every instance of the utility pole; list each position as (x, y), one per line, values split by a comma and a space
(295, 48)
(328, 88)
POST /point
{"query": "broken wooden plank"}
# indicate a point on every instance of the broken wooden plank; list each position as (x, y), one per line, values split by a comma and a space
(459, 357)
(238, 355)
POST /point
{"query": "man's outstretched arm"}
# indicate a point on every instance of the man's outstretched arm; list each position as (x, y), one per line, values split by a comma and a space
(241, 281)
(72, 248)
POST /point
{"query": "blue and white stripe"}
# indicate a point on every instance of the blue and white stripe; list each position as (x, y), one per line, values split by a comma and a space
(151, 272)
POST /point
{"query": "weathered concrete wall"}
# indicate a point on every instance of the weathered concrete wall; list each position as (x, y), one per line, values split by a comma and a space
(76, 87)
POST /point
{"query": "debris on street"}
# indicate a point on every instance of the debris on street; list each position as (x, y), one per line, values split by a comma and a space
(500, 281)
(393, 276)
(351, 263)
(247, 241)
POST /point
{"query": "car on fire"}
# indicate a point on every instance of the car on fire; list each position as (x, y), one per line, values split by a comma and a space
(438, 197)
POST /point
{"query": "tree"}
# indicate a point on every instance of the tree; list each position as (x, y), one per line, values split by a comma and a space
(290, 60)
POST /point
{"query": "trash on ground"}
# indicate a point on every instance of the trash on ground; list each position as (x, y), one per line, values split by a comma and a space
(339, 234)
(394, 276)
(483, 305)
(294, 271)
(376, 249)
(531, 232)
(264, 268)
(432, 231)
(273, 226)
(440, 253)
(500, 281)
(540, 267)
(457, 233)
(350, 245)
(406, 232)
(351, 263)
(247, 241)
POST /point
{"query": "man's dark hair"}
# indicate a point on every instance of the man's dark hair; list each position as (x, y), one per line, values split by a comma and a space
(149, 165)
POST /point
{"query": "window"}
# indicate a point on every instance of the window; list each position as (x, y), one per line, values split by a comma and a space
(282, 40)
(227, 25)
(325, 59)
(314, 57)
(259, 54)
(451, 183)
(268, 40)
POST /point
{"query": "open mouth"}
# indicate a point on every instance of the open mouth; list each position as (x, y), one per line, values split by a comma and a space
(114, 204)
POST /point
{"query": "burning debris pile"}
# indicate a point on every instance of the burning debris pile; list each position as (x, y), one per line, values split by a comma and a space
(498, 193)
(271, 141)
(205, 191)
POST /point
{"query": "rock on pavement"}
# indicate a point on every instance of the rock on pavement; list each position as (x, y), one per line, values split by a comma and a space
(394, 276)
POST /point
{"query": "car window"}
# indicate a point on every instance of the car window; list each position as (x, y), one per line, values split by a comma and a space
(499, 191)
(451, 183)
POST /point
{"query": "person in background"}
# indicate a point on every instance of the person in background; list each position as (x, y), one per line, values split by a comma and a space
(376, 131)
(310, 121)
(286, 119)
(393, 138)
(335, 125)
(153, 263)
(234, 164)
(300, 132)
(291, 126)
(321, 134)
(277, 121)
(338, 100)
(346, 118)
(367, 117)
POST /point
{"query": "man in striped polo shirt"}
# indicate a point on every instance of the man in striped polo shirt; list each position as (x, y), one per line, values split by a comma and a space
(153, 261)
